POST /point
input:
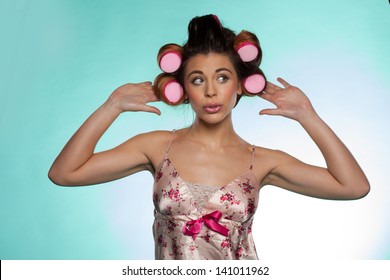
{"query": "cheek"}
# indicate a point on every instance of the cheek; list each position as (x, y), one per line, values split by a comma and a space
(191, 92)
(232, 89)
(233, 93)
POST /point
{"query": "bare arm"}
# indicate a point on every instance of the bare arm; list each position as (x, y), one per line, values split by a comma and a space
(342, 179)
(77, 164)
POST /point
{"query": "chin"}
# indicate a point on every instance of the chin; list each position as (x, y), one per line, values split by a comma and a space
(215, 119)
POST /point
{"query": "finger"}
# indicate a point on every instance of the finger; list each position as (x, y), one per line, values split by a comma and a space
(153, 97)
(271, 112)
(146, 83)
(271, 88)
(265, 95)
(148, 91)
(283, 82)
(151, 109)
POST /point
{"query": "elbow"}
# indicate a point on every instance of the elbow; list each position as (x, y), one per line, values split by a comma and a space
(365, 190)
(57, 178)
(361, 190)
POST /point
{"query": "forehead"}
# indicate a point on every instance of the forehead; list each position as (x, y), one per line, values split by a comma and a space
(208, 63)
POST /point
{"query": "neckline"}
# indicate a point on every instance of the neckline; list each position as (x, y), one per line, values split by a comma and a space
(167, 163)
(249, 171)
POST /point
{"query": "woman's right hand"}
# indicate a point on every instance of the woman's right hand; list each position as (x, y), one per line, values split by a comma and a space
(78, 164)
(134, 98)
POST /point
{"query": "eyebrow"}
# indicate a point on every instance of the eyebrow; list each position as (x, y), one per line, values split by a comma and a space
(216, 71)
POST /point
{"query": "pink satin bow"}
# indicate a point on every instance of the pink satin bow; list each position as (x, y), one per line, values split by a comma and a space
(193, 227)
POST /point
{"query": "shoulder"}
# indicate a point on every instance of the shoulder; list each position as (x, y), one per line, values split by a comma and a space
(155, 143)
(149, 145)
(150, 141)
(261, 152)
(267, 161)
(154, 136)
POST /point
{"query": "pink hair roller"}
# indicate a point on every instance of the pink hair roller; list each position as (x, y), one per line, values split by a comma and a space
(247, 51)
(254, 84)
(173, 92)
(170, 61)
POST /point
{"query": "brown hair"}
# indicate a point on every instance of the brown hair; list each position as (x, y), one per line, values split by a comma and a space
(207, 35)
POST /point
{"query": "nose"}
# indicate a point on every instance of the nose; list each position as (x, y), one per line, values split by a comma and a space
(210, 91)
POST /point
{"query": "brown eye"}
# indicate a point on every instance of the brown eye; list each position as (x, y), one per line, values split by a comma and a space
(223, 79)
(197, 81)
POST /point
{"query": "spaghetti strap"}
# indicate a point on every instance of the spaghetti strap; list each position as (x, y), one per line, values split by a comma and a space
(169, 145)
(253, 156)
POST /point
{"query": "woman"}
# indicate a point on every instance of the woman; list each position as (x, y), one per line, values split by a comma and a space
(207, 178)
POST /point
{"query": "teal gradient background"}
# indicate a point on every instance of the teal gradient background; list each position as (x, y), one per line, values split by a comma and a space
(60, 60)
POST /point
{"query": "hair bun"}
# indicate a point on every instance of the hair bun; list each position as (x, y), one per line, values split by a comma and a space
(169, 57)
(217, 20)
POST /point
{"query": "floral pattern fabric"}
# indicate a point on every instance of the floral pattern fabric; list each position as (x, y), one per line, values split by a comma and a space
(175, 205)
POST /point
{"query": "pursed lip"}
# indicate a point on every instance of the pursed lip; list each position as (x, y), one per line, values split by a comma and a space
(212, 108)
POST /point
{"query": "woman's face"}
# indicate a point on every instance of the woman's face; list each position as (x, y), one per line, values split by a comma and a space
(211, 85)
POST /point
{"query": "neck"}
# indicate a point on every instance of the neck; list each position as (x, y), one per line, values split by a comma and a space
(214, 135)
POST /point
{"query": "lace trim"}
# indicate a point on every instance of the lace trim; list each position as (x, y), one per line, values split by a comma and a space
(202, 194)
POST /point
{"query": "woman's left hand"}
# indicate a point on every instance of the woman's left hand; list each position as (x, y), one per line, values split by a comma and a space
(289, 100)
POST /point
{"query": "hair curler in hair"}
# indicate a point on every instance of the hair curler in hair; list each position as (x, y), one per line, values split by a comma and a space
(168, 89)
(247, 46)
(169, 57)
(247, 51)
(254, 84)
